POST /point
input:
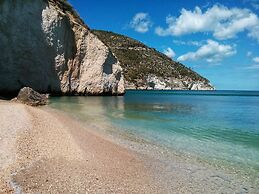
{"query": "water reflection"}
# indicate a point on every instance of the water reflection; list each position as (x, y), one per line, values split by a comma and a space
(220, 126)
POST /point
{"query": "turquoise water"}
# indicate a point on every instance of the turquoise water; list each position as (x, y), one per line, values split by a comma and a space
(216, 126)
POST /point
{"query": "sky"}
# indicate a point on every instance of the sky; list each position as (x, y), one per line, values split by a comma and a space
(219, 39)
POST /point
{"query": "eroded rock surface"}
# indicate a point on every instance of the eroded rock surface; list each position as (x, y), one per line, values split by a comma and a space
(46, 46)
(30, 97)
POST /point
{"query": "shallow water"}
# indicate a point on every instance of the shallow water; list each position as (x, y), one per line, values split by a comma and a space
(220, 127)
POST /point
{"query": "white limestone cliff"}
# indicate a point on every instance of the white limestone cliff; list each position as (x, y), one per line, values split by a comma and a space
(46, 46)
(152, 82)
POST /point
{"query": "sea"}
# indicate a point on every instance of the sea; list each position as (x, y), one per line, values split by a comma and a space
(219, 128)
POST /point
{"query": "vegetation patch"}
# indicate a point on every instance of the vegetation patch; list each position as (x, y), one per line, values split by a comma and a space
(139, 61)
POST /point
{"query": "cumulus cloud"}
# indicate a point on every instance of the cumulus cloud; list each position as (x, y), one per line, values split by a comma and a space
(256, 59)
(212, 52)
(222, 22)
(169, 52)
(141, 22)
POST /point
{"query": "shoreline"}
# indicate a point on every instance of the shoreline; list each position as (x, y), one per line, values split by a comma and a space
(176, 171)
(182, 173)
(55, 150)
(45, 151)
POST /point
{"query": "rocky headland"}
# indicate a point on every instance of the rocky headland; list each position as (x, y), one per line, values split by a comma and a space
(45, 45)
(148, 69)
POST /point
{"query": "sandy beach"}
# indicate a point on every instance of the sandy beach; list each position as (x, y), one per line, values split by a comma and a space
(42, 151)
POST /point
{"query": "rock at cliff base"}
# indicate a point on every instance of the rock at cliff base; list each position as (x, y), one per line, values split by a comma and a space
(30, 97)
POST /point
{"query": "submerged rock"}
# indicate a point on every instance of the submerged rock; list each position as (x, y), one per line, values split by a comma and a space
(45, 45)
(30, 97)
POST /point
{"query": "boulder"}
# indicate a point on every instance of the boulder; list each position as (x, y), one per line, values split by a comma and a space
(30, 97)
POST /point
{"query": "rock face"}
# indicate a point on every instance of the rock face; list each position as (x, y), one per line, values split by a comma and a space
(160, 83)
(147, 69)
(46, 46)
(30, 97)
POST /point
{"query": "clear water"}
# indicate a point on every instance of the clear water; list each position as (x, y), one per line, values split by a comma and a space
(216, 126)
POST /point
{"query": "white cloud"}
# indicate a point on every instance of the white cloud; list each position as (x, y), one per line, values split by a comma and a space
(188, 43)
(169, 52)
(141, 22)
(249, 54)
(253, 3)
(255, 66)
(256, 59)
(211, 52)
(256, 5)
(222, 22)
(254, 33)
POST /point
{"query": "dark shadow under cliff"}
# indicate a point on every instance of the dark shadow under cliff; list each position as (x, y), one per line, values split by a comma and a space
(27, 56)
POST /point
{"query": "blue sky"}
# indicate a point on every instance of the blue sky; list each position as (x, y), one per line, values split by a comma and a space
(218, 39)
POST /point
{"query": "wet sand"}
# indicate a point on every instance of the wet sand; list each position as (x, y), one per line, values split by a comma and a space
(46, 152)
